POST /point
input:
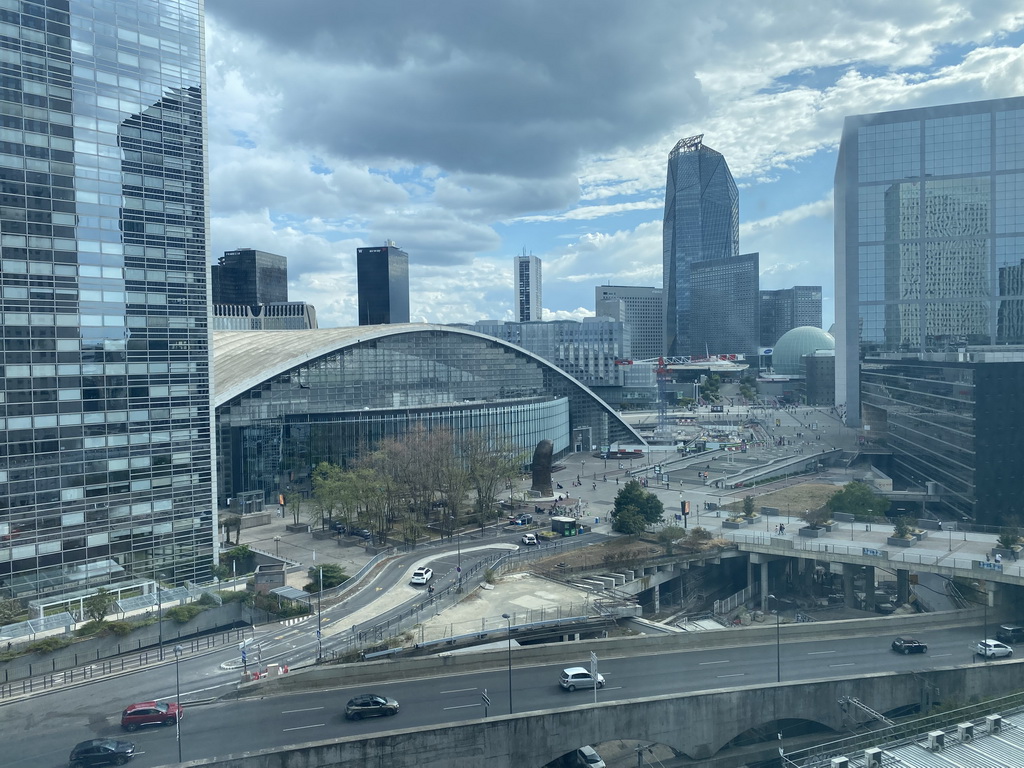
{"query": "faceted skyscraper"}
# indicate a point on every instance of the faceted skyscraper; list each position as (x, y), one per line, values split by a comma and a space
(528, 288)
(701, 223)
(105, 449)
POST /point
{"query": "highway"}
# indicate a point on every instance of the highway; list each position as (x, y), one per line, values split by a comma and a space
(40, 732)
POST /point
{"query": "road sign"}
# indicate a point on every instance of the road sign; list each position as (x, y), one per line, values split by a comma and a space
(486, 698)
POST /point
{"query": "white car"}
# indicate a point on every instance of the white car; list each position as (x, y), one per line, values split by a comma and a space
(587, 757)
(529, 538)
(992, 649)
(421, 576)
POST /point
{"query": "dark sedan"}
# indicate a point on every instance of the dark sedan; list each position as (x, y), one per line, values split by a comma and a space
(101, 752)
(907, 645)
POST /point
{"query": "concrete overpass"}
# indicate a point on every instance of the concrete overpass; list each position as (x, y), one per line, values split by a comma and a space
(699, 726)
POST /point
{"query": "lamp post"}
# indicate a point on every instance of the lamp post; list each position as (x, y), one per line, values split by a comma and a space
(458, 567)
(277, 546)
(508, 621)
(159, 619)
(778, 642)
(177, 698)
(319, 640)
(682, 509)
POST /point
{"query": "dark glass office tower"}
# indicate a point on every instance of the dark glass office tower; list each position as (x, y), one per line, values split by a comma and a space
(702, 223)
(788, 308)
(105, 438)
(725, 310)
(251, 277)
(382, 275)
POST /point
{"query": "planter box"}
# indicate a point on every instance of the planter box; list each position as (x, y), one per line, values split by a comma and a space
(753, 520)
(812, 533)
(894, 541)
(829, 526)
(732, 524)
(297, 527)
(919, 535)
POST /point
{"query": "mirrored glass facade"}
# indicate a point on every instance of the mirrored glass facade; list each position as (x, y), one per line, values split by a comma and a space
(105, 439)
(702, 223)
(329, 395)
(929, 229)
(382, 282)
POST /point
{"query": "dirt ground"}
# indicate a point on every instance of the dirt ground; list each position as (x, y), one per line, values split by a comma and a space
(793, 499)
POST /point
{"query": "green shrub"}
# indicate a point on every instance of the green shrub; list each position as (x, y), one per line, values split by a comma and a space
(91, 628)
(183, 614)
(207, 600)
(48, 644)
(121, 628)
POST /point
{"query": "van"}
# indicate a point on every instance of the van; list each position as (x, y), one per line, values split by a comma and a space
(1010, 633)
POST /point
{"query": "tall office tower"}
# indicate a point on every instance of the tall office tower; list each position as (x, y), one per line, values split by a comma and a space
(527, 286)
(789, 308)
(927, 234)
(642, 309)
(248, 276)
(382, 276)
(724, 310)
(702, 222)
(106, 462)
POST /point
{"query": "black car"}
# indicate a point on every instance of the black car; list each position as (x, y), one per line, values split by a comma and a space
(909, 645)
(370, 705)
(361, 533)
(1010, 633)
(101, 752)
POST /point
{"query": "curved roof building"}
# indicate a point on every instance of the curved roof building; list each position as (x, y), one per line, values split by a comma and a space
(287, 400)
(797, 342)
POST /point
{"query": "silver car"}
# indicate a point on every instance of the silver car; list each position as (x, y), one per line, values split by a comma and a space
(992, 649)
(579, 677)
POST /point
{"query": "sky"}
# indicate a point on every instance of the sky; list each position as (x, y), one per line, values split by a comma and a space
(471, 132)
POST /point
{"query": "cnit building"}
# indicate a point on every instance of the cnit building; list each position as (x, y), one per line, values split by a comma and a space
(929, 239)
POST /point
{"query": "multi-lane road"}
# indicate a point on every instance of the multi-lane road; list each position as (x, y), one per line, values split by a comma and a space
(39, 732)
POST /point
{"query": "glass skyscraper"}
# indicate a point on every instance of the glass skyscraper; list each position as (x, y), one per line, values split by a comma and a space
(527, 288)
(382, 280)
(105, 424)
(929, 234)
(248, 276)
(702, 223)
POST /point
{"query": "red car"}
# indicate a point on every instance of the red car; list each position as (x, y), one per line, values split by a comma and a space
(151, 713)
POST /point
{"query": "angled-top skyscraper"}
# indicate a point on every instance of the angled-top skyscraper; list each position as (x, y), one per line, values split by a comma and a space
(105, 439)
(702, 223)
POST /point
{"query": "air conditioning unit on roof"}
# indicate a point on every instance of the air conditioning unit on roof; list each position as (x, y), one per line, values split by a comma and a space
(936, 740)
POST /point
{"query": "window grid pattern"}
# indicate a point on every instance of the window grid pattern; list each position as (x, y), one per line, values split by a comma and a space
(105, 452)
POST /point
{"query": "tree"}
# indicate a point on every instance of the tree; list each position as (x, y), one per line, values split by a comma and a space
(634, 499)
(328, 489)
(629, 521)
(857, 499)
(492, 466)
(748, 506)
(294, 504)
(98, 605)
(333, 575)
(1008, 538)
(815, 518)
(900, 528)
(669, 535)
(9, 610)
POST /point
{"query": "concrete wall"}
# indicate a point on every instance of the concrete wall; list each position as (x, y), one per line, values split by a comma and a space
(99, 648)
(696, 724)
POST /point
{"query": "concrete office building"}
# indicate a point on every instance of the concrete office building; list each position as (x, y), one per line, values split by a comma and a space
(251, 277)
(527, 270)
(106, 472)
(788, 308)
(281, 316)
(928, 248)
(382, 276)
(639, 307)
(701, 223)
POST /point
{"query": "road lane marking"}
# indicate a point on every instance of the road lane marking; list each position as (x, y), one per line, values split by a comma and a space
(461, 690)
(940, 655)
(818, 653)
(310, 709)
(464, 706)
(304, 727)
(847, 664)
(738, 674)
(724, 661)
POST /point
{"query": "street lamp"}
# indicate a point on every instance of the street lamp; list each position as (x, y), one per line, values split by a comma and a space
(277, 546)
(508, 620)
(159, 619)
(319, 641)
(778, 642)
(177, 698)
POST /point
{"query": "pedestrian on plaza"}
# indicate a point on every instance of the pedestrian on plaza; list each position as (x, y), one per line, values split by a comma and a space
(987, 558)
(776, 529)
(782, 528)
(940, 525)
(999, 558)
(595, 486)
